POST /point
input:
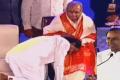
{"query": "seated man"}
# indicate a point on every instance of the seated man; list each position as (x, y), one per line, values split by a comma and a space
(27, 60)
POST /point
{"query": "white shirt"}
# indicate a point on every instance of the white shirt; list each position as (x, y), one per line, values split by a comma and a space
(32, 11)
(110, 70)
(31, 55)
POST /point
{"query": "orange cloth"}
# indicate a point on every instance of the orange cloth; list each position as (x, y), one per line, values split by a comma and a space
(83, 60)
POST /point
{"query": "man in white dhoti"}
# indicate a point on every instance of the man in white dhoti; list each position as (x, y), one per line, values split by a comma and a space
(108, 61)
(27, 60)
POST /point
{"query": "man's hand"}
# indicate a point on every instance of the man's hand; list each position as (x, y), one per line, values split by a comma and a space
(28, 32)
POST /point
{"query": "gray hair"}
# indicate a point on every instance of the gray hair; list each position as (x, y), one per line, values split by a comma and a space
(73, 3)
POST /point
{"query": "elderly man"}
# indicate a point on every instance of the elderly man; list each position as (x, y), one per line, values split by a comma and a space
(109, 60)
(73, 21)
(27, 60)
(33, 10)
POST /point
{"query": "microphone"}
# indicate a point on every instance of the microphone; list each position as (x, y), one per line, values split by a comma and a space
(105, 60)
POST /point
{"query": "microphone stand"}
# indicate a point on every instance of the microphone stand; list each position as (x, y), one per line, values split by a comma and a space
(105, 60)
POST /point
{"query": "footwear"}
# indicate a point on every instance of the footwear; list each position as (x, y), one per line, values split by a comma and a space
(3, 76)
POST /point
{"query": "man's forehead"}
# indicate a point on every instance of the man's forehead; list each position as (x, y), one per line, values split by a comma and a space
(113, 33)
(76, 6)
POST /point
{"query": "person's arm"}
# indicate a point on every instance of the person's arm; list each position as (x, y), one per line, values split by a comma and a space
(28, 32)
(55, 26)
(91, 37)
(62, 47)
(26, 16)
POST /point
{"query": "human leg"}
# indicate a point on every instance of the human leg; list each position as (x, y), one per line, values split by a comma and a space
(51, 72)
(24, 70)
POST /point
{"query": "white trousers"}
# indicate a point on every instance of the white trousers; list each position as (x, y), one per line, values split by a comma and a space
(25, 71)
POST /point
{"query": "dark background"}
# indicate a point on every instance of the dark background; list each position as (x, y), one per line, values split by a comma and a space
(96, 9)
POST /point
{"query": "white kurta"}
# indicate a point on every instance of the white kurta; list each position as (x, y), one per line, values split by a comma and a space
(32, 11)
(27, 60)
(110, 70)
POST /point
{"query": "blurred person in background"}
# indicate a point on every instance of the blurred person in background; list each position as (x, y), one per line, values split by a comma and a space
(33, 11)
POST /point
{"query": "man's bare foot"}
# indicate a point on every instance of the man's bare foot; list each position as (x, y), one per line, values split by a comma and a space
(3, 76)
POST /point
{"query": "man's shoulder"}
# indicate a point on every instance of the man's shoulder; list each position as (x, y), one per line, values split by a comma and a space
(104, 51)
(87, 19)
(63, 40)
(104, 54)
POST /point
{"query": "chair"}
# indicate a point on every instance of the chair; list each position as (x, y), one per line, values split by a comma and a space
(8, 39)
(46, 21)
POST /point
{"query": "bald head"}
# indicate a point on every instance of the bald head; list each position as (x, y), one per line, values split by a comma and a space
(74, 3)
(74, 11)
